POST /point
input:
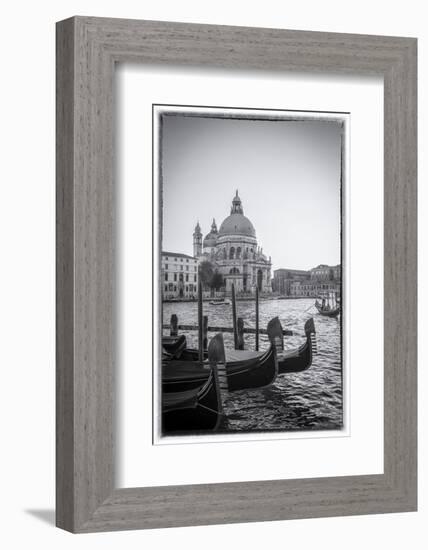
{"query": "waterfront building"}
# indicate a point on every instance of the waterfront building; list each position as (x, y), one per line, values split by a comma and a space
(322, 279)
(234, 252)
(282, 279)
(179, 276)
(308, 288)
(314, 282)
(325, 273)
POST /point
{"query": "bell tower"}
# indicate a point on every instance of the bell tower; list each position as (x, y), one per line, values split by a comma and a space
(197, 241)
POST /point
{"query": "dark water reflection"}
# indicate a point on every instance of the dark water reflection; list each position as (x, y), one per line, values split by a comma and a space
(310, 400)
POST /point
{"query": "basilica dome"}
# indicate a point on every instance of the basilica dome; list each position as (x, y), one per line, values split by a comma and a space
(237, 223)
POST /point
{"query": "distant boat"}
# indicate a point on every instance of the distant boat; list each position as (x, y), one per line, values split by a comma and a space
(329, 306)
(219, 302)
(200, 408)
(327, 312)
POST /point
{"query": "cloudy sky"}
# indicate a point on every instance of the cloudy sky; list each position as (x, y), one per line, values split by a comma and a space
(287, 174)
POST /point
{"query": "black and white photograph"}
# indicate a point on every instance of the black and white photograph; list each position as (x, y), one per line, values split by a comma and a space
(210, 303)
(250, 245)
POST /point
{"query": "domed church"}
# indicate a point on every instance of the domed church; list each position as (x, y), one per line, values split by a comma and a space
(234, 252)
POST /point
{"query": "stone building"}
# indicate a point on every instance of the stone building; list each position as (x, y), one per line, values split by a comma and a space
(325, 273)
(283, 278)
(313, 288)
(299, 283)
(179, 274)
(323, 279)
(233, 251)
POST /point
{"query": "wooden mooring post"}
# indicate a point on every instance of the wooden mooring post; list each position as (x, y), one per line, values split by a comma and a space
(173, 331)
(205, 333)
(257, 318)
(235, 322)
(246, 330)
(200, 324)
(240, 330)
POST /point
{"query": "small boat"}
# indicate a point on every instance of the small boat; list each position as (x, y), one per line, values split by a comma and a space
(173, 346)
(299, 359)
(329, 306)
(251, 369)
(219, 302)
(245, 369)
(198, 409)
(327, 311)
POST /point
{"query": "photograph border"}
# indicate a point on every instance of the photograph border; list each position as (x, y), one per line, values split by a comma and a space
(204, 111)
(87, 51)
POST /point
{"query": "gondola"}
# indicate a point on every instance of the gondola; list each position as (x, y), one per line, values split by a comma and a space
(244, 369)
(174, 345)
(198, 409)
(299, 359)
(334, 312)
(219, 302)
(329, 306)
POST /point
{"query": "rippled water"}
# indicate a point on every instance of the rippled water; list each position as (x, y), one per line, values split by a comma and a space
(310, 400)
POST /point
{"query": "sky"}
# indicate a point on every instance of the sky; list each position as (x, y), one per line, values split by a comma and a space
(287, 174)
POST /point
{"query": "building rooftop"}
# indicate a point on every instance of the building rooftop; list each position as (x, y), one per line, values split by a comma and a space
(178, 255)
(285, 270)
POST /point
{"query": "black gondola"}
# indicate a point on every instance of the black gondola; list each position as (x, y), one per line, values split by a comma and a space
(198, 409)
(245, 369)
(333, 312)
(174, 345)
(299, 359)
(329, 306)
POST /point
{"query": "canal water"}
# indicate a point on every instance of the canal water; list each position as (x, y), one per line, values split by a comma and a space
(310, 400)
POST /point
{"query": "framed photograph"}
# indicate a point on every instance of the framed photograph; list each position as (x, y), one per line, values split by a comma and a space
(226, 277)
(236, 274)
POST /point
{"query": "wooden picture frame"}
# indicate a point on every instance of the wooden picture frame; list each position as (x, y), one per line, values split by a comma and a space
(87, 50)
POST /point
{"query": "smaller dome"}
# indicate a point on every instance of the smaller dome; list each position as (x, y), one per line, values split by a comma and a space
(210, 240)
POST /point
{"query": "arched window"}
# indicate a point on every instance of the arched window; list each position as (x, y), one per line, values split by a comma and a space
(224, 253)
(232, 253)
(234, 271)
(238, 252)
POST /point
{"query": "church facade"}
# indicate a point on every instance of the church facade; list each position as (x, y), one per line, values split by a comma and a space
(233, 251)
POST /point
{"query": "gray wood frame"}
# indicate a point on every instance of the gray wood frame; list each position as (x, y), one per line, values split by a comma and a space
(87, 50)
